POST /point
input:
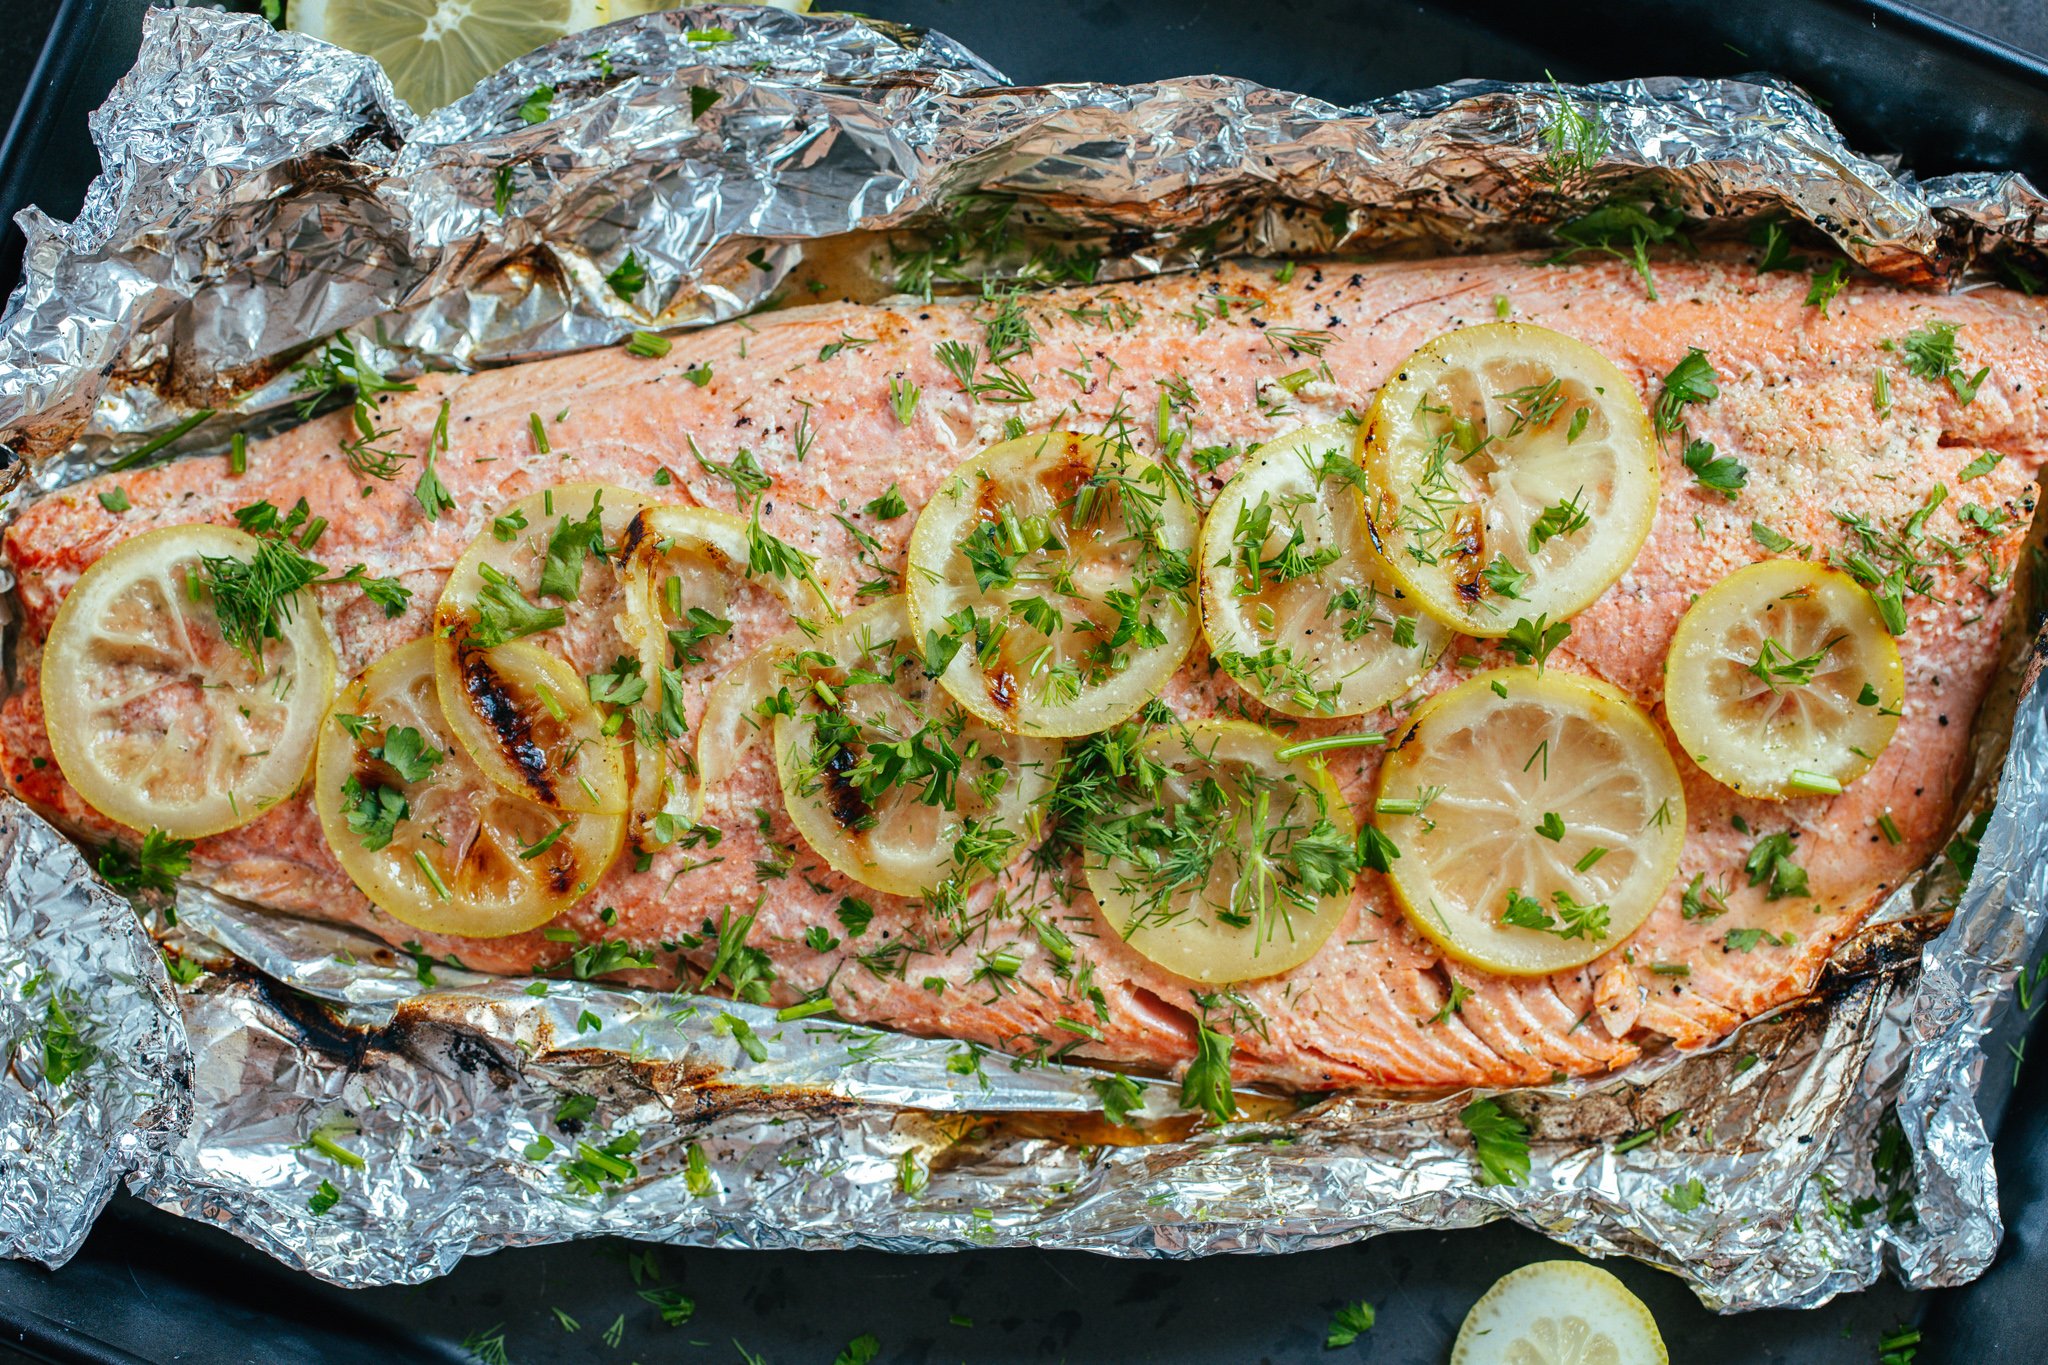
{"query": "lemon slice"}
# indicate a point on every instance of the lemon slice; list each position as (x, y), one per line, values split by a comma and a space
(1297, 605)
(154, 718)
(1559, 1313)
(892, 784)
(685, 572)
(1783, 681)
(1234, 865)
(542, 573)
(423, 833)
(1056, 567)
(1538, 817)
(1514, 474)
(435, 51)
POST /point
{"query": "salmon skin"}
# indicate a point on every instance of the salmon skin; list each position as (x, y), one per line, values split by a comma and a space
(808, 392)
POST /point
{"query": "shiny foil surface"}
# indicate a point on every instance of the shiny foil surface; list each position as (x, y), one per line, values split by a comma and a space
(262, 191)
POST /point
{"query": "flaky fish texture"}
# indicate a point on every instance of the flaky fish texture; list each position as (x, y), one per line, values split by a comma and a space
(808, 393)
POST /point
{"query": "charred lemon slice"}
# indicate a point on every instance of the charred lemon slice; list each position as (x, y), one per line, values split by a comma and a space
(1783, 681)
(1513, 474)
(1224, 862)
(887, 779)
(1296, 603)
(1053, 573)
(157, 714)
(544, 571)
(685, 571)
(1537, 817)
(526, 719)
(1559, 1313)
(423, 833)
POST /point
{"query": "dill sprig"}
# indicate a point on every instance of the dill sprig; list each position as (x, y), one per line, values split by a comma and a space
(253, 597)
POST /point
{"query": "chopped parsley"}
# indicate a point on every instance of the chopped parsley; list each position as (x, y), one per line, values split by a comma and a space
(1347, 1324)
(1692, 380)
(1723, 474)
(627, 279)
(1930, 354)
(1770, 866)
(1500, 1140)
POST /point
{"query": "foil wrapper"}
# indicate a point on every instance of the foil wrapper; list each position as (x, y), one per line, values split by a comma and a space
(262, 191)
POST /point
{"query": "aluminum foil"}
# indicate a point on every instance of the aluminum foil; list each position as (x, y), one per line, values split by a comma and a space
(262, 190)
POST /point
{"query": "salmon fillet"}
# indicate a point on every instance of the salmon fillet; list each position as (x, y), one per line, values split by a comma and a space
(807, 391)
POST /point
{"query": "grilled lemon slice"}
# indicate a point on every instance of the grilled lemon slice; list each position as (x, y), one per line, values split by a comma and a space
(1233, 865)
(1056, 569)
(1783, 681)
(1538, 819)
(1514, 474)
(1296, 603)
(891, 783)
(423, 833)
(543, 573)
(156, 718)
(685, 572)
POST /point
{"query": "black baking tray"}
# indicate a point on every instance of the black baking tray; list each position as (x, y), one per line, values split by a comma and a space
(151, 1287)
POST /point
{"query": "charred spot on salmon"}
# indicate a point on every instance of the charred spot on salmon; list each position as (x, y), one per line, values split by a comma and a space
(493, 703)
(848, 807)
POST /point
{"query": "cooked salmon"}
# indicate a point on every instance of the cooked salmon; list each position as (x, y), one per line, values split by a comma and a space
(808, 392)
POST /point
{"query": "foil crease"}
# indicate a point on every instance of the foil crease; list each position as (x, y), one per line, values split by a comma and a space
(262, 191)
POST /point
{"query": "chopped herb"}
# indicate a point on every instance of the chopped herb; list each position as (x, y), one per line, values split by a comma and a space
(1347, 1324)
(430, 493)
(504, 612)
(1687, 1195)
(154, 866)
(1533, 641)
(1723, 474)
(903, 396)
(538, 105)
(1930, 354)
(1121, 1097)
(114, 499)
(1770, 866)
(889, 506)
(323, 1199)
(1976, 469)
(1501, 1141)
(1774, 541)
(1205, 1087)
(647, 345)
(1827, 283)
(626, 279)
(1692, 380)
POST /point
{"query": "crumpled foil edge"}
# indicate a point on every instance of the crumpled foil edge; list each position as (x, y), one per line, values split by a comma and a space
(262, 191)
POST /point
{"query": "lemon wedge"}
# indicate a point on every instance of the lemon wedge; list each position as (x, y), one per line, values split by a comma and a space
(1559, 1313)
(435, 51)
